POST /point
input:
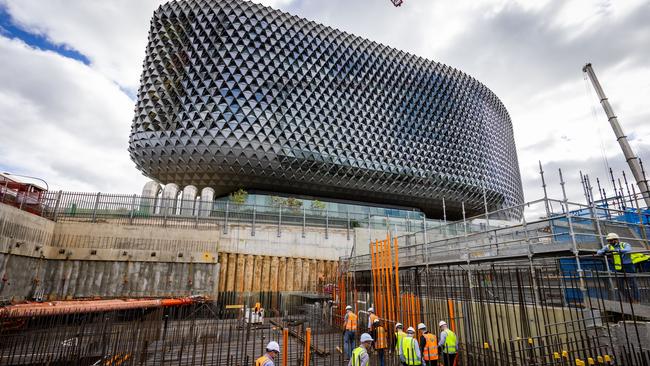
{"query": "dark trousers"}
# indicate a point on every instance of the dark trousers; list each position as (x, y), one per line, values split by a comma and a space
(348, 343)
(627, 285)
(380, 356)
(448, 358)
(430, 363)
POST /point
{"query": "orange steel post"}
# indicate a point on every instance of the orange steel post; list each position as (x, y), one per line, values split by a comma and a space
(373, 271)
(397, 272)
(307, 346)
(385, 299)
(389, 265)
(381, 299)
(452, 321)
(285, 346)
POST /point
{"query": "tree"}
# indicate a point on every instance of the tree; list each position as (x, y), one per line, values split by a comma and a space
(318, 205)
(239, 197)
(293, 203)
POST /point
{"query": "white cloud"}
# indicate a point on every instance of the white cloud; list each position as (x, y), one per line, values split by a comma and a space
(63, 121)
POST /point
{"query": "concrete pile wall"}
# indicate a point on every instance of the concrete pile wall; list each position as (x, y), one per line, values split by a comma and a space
(55, 260)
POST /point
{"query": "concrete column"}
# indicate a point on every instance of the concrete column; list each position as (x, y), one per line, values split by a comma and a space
(241, 273)
(169, 196)
(289, 279)
(266, 275)
(223, 271)
(273, 278)
(207, 198)
(248, 273)
(282, 273)
(148, 201)
(257, 277)
(188, 199)
(297, 274)
(232, 268)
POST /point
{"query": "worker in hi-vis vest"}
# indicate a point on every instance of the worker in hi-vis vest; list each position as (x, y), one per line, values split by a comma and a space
(380, 336)
(399, 334)
(410, 350)
(448, 343)
(428, 346)
(360, 355)
(272, 351)
(350, 332)
(371, 317)
(624, 262)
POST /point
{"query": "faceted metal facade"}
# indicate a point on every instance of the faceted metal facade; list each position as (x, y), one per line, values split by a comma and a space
(238, 95)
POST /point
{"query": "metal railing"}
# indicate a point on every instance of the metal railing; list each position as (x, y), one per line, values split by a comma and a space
(216, 215)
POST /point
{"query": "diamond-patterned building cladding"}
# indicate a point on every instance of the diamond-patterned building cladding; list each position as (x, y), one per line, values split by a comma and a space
(237, 95)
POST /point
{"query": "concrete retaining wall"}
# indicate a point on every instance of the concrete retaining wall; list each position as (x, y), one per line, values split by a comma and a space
(41, 258)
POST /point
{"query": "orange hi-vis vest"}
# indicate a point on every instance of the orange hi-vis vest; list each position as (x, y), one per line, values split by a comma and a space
(381, 342)
(430, 348)
(263, 360)
(351, 324)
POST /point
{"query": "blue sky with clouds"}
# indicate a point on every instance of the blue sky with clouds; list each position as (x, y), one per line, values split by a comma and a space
(71, 70)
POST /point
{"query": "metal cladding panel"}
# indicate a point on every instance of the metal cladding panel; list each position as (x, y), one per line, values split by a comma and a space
(234, 94)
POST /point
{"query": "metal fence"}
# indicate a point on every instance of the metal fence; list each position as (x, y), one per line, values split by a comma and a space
(216, 215)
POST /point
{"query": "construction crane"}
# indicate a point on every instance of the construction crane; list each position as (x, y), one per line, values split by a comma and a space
(397, 2)
(630, 157)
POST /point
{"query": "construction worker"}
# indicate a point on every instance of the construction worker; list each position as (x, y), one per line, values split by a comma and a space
(399, 335)
(360, 355)
(410, 350)
(623, 262)
(371, 317)
(449, 344)
(272, 351)
(428, 346)
(381, 340)
(349, 334)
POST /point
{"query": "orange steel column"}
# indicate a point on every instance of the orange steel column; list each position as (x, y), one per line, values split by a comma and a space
(386, 289)
(373, 271)
(285, 346)
(452, 321)
(307, 346)
(380, 297)
(389, 268)
(397, 294)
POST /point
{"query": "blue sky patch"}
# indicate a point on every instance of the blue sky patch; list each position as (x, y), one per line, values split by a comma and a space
(9, 29)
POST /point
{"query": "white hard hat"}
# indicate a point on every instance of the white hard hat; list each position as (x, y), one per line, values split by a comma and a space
(348, 307)
(365, 337)
(410, 330)
(273, 346)
(442, 322)
(398, 325)
(611, 236)
(371, 310)
(421, 326)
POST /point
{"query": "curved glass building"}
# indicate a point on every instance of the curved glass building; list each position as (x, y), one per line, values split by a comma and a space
(237, 95)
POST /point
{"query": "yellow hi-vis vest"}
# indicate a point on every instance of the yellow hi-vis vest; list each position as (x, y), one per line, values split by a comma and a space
(408, 351)
(398, 345)
(357, 354)
(450, 342)
(638, 257)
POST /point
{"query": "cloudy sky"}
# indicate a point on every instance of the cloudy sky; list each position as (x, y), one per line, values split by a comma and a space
(70, 70)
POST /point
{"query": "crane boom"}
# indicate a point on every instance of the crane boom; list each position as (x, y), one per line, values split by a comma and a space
(630, 157)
